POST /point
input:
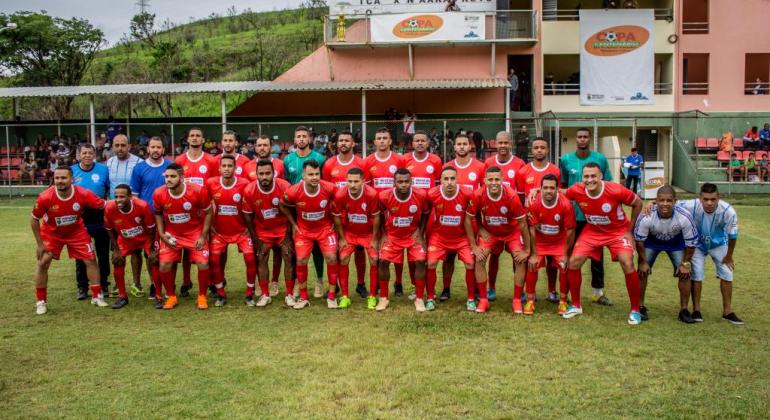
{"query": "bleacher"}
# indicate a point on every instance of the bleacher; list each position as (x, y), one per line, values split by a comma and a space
(712, 164)
(11, 159)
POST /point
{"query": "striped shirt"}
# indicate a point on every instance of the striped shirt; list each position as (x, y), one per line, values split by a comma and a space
(671, 234)
(120, 171)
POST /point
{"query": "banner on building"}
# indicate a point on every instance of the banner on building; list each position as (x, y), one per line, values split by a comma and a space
(617, 57)
(414, 28)
(363, 7)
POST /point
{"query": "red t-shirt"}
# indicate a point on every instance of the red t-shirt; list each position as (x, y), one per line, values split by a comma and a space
(402, 218)
(228, 203)
(509, 169)
(183, 215)
(426, 172)
(63, 217)
(604, 213)
(551, 223)
(448, 213)
(336, 172)
(471, 176)
(313, 211)
(199, 170)
(133, 227)
(529, 177)
(499, 217)
(264, 205)
(240, 164)
(357, 214)
(251, 169)
(379, 173)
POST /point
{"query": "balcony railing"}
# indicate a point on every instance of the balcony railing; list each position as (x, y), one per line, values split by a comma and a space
(574, 14)
(695, 28)
(574, 89)
(695, 88)
(755, 88)
(503, 26)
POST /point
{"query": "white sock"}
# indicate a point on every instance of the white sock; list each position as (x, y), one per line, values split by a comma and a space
(598, 292)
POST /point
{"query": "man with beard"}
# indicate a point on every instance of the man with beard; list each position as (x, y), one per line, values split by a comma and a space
(230, 147)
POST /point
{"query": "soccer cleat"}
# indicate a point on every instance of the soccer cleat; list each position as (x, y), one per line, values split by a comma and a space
(344, 302)
(733, 319)
(318, 291)
(202, 302)
(634, 318)
(295, 292)
(684, 316)
(696, 316)
(110, 292)
(491, 295)
(82, 294)
(529, 308)
(643, 312)
(470, 305)
(290, 301)
(273, 288)
(572, 312)
(264, 301)
(301, 304)
(601, 300)
(158, 303)
(171, 302)
(483, 305)
(371, 303)
(553, 297)
(220, 301)
(331, 303)
(445, 295)
(382, 304)
(41, 307)
(361, 290)
(249, 300)
(184, 291)
(419, 305)
(212, 291)
(430, 305)
(99, 301)
(562, 308)
(136, 291)
(412, 295)
(121, 302)
(516, 305)
(398, 289)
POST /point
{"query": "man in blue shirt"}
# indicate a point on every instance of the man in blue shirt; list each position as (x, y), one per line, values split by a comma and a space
(113, 128)
(633, 164)
(147, 175)
(764, 136)
(93, 176)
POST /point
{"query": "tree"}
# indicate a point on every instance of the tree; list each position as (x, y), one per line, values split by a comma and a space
(143, 28)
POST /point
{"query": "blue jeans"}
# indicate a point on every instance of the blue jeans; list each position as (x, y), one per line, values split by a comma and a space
(676, 257)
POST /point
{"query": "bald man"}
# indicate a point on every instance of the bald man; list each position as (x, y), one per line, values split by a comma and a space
(121, 164)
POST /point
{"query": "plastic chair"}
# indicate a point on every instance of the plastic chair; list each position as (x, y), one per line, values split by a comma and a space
(701, 143)
(712, 143)
(723, 156)
(738, 144)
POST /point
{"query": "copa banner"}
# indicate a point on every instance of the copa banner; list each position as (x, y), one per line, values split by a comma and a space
(617, 57)
(363, 7)
(414, 28)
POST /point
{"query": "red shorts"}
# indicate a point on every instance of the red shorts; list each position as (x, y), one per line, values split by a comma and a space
(553, 261)
(497, 244)
(327, 241)
(272, 237)
(394, 251)
(127, 247)
(439, 247)
(590, 244)
(219, 243)
(79, 245)
(168, 254)
(354, 241)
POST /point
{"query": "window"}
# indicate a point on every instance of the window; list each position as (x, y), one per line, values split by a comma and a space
(695, 17)
(757, 79)
(695, 74)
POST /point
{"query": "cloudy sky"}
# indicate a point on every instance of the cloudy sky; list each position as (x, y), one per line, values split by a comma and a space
(113, 16)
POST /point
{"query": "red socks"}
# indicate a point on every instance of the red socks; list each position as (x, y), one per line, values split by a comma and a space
(374, 276)
(263, 287)
(575, 280)
(494, 263)
(42, 293)
(563, 285)
(432, 283)
(419, 286)
(251, 267)
(360, 260)
(156, 281)
(289, 286)
(167, 277)
(632, 285)
(203, 281)
(302, 280)
(344, 279)
(517, 291)
(383, 289)
(332, 270)
(470, 283)
(119, 272)
(482, 286)
(96, 290)
(531, 282)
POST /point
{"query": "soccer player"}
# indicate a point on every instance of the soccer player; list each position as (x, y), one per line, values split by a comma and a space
(183, 218)
(268, 228)
(229, 145)
(717, 224)
(607, 226)
(57, 221)
(425, 167)
(571, 167)
(131, 227)
(450, 232)
(668, 229)
(502, 226)
(406, 211)
(314, 225)
(357, 219)
(552, 233)
(198, 165)
(229, 227)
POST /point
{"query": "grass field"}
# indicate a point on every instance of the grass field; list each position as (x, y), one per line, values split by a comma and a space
(79, 361)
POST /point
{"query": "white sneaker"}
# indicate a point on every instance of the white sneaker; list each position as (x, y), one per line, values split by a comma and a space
(301, 304)
(41, 307)
(264, 301)
(273, 289)
(319, 289)
(290, 301)
(331, 303)
(382, 304)
(572, 312)
(295, 292)
(419, 305)
(99, 301)
(412, 296)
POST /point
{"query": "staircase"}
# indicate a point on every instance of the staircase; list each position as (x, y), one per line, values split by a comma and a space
(710, 170)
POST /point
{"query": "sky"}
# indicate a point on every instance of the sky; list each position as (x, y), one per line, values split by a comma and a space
(114, 16)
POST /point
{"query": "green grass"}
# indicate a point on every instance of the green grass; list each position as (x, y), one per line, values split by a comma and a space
(79, 361)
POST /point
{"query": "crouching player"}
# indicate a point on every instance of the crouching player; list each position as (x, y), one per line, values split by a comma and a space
(131, 227)
(552, 232)
(60, 208)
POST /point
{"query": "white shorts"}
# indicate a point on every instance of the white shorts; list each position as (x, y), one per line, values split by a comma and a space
(699, 263)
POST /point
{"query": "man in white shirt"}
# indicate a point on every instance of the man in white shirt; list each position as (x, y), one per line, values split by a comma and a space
(121, 164)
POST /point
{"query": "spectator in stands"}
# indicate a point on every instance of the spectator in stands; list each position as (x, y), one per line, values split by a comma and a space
(321, 142)
(392, 117)
(630, 4)
(550, 84)
(759, 88)
(435, 140)
(409, 121)
(763, 166)
(750, 167)
(751, 139)
(253, 136)
(143, 138)
(764, 136)
(522, 143)
(275, 151)
(62, 155)
(113, 129)
(102, 148)
(610, 4)
(735, 168)
(28, 169)
(333, 136)
(633, 164)
(726, 144)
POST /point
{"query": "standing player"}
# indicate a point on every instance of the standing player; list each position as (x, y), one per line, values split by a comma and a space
(268, 228)
(60, 208)
(357, 219)
(229, 145)
(314, 225)
(229, 227)
(406, 211)
(552, 233)
(131, 227)
(502, 226)
(183, 219)
(607, 226)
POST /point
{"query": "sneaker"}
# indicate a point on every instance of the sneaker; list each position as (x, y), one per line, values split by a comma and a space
(696, 316)
(430, 305)
(517, 309)
(290, 301)
(41, 307)
(398, 289)
(184, 291)
(171, 303)
(249, 300)
(318, 291)
(483, 305)
(264, 301)
(382, 304)
(444, 295)
(684, 316)
(344, 302)
(151, 295)
(491, 295)
(331, 303)
(295, 292)
(733, 319)
(529, 308)
(121, 302)
(202, 302)
(212, 291)
(572, 312)
(562, 308)
(99, 301)
(412, 295)
(158, 303)
(470, 305)
(419, 305)
(371, 303)
(220, 301)
(601, 300)
(273, 288)
(361, 290)
(643, 311)
(552, 297)
(634, 318)
(110, 292)
(82, 294)
(136, 291)
(301, 304)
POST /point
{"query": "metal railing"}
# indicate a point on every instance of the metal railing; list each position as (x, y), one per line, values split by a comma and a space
(755, 88)
(695, 28)
(695, 88)
(574, 89)
(574, 14)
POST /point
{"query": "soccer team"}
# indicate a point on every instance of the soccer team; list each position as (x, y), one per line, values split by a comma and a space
(379, 208)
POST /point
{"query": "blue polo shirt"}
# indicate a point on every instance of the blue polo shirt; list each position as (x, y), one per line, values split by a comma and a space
(636, 164)
(146, 178)
(96, 180)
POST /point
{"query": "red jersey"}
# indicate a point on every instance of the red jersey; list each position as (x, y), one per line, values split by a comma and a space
(379, 173)
(63, 217)
(251, 168)
(132, 227)
(551, 223)
(604, 213)
(264, 205)
(199, 170)
(529, 177)
(499, 216)
(448, 213)
(240, 164)
(183, 214)
(336, 172)
(313, 211)
(426, 172)
(509, 169)
(402, 218)
(357, 214)
(228, 203)
(470, 176)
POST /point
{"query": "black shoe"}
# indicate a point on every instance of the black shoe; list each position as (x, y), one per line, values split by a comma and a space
(121, 302)
(152, 292)
(684, 316)
(733, 319)
(158, 303)
(643, 312)
(696, 316)
(249, 300)
(444, 295)
(220, 301)
(398, 289)
(212, 291)
(82, 294)
(361, 290)
(184, 291)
